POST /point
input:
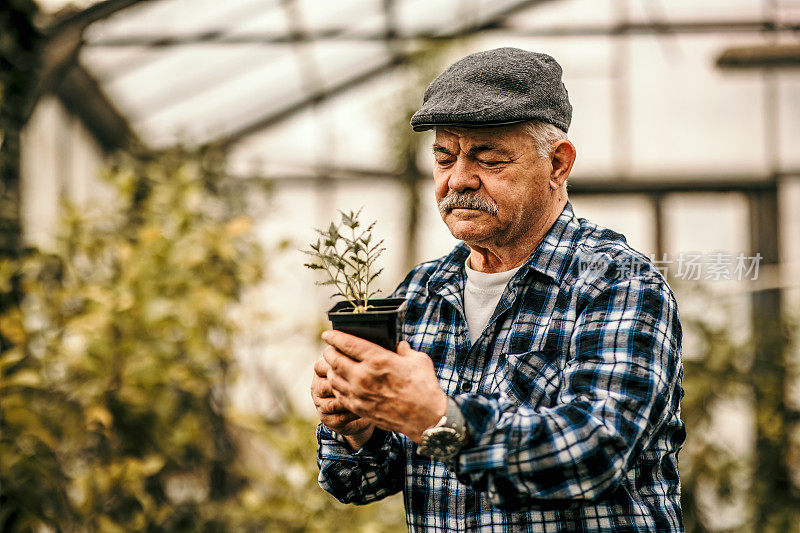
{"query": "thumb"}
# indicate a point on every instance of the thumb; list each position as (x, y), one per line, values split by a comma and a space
(403, 348)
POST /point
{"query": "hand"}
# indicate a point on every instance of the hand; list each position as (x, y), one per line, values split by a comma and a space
(396, 391)
(356, 430)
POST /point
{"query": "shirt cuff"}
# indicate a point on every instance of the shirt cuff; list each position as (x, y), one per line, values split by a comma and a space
(332, 445)
(478, 454)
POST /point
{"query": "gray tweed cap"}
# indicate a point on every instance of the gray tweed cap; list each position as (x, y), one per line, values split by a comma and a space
(496, 87)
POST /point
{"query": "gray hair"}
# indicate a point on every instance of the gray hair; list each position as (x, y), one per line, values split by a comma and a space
(544, 136)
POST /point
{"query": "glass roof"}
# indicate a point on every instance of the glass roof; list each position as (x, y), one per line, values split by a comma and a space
(197, 70)
(289, 81)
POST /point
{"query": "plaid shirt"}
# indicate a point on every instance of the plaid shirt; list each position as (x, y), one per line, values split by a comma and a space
(571, 397)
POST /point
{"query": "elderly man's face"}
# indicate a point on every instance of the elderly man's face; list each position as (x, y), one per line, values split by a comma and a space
(490, 183)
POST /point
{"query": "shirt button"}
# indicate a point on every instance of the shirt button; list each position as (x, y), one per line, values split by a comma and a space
(466, 386)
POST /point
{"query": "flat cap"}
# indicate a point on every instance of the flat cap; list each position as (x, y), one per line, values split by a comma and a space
(496, 87)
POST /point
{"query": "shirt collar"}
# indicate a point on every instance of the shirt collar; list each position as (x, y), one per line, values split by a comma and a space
(551, 257)
(555, 251)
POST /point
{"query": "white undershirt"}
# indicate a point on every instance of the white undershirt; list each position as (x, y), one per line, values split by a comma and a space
(481, 294)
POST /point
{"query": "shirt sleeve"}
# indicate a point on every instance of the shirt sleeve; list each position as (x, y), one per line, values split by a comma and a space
(619, 381)
(373, 472)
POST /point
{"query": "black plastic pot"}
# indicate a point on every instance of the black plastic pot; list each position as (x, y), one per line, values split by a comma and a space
(381, 324)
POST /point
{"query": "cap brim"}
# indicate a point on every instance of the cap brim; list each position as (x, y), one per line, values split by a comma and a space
(430, 125)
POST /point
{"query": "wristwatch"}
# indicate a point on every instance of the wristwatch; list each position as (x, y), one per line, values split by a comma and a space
(444, 440)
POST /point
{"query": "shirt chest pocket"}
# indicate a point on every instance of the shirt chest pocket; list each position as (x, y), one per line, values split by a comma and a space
(531, 378)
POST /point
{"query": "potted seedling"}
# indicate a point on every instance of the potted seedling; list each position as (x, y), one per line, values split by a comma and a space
(346, 253)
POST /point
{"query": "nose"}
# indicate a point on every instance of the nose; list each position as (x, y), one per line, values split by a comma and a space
(463, 176)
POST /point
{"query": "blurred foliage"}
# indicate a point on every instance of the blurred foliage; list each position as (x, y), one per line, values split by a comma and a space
(115, 409)
(20, 45)
(759, 486)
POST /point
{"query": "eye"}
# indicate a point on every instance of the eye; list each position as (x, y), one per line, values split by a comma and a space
(492, 163)
(445, 161)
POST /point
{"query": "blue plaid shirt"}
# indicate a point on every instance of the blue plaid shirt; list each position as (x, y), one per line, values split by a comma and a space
(571, 396)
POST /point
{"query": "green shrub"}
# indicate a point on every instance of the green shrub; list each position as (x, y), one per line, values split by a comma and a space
(115, 412)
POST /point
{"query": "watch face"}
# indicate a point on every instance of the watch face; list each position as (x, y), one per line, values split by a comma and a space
(441, 443)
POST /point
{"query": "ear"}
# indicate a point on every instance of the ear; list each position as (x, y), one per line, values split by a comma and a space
(562, 160)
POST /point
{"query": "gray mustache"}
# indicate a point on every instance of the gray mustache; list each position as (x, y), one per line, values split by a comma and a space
(468, 200)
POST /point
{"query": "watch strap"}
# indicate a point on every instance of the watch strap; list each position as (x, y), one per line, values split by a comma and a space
(454, 418)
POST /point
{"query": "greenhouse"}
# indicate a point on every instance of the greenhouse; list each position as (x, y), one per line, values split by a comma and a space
(166, 162)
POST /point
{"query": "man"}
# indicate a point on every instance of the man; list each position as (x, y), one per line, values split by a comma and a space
(538, 384)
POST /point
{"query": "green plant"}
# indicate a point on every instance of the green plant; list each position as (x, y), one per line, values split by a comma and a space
(115, 391)
(115, 411)
(347, 259)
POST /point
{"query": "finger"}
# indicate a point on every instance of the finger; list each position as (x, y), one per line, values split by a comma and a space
(320, 387)
(352, 406)
(325, 390)
(340, 387)
(403, 348)
(339, 363)
(329, 406)
(321, 367)
(340, 422)
(350, 345)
